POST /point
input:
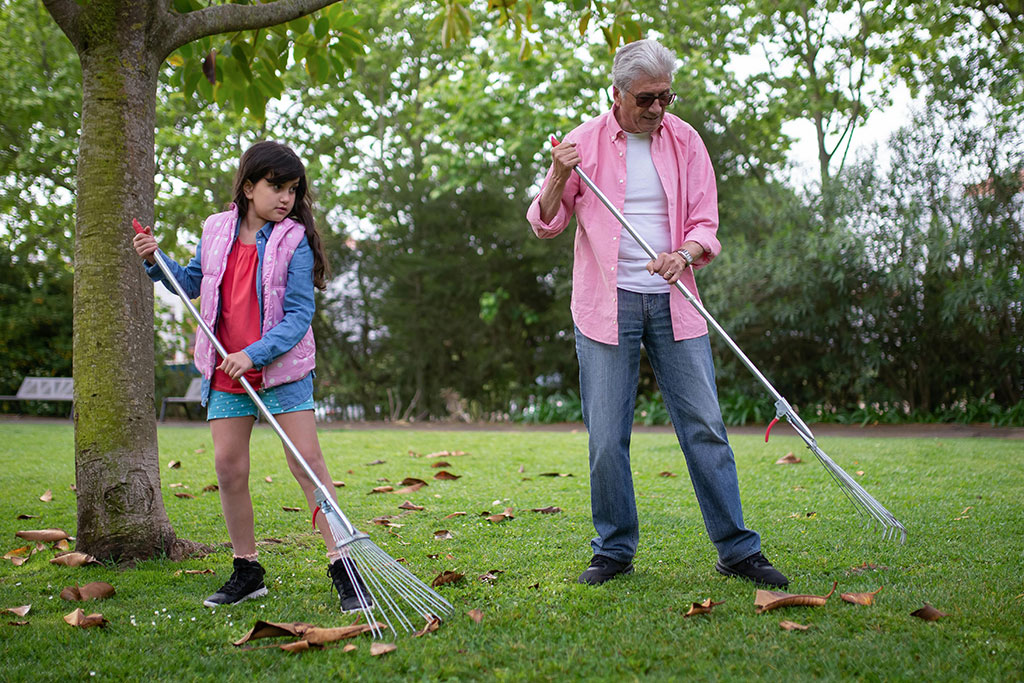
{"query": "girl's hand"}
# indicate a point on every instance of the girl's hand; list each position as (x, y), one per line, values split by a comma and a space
(236, 364)
(145, 245)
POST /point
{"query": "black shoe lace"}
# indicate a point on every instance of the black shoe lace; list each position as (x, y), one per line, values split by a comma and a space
(342, 582)
(238, 581)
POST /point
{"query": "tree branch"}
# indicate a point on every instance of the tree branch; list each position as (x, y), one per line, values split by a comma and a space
(181, 29)
(66, 13)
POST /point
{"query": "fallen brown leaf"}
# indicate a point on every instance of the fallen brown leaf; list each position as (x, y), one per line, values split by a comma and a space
(20, 611)
(446, 577)
(497, 518)
(288, 508)
(377, 649)
(17, 623)
(433, 623)
(348, 648)
(667, 474)
(375, 462)
(199, 571)
(45, 535)
(386, 522)
(183, 494)
(409, 505)
(409, 489)
(272, 629)
(295, 646)
(860, 598)
(63, 544)
(176, 485)
(338, 484)
(490, 575)
(47, 496)
(74, 559)
(859, 473)
(174, 465)
(97, 590)
(550, 510)
(928, 613)
(446, 475)
(454, 514)
(788, 459)
(792, 625)
(211, 487)
(383, 489)
(412, 481)
(320, 636)
(23, 516)
(446, 454)
(268, 479)
(442, 534)
(768, 600)
(440, 463)
(476, 615)
(553, 474)
(702, 607)
(80, 619)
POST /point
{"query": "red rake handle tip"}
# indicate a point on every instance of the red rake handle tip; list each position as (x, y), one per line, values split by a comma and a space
(769, 430)
(554, 141)
(138, 226)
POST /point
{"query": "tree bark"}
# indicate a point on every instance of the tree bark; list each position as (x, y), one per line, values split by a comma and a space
(121, 45)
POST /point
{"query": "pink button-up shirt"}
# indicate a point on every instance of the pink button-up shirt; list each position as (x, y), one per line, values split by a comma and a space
(688, 179)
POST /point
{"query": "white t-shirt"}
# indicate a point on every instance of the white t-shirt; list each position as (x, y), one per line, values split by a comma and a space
(646, 208)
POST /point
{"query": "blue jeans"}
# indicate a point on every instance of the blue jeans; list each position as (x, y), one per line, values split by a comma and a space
(609, 376)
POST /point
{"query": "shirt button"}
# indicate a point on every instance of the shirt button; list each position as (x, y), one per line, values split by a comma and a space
(621, 180)
(613, 267)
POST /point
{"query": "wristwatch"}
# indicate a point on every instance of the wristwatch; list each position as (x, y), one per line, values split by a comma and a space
(687, 256)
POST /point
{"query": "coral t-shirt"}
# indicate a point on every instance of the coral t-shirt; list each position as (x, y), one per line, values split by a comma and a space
(239, 321)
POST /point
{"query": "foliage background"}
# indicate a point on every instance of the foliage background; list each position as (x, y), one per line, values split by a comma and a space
(887, 289)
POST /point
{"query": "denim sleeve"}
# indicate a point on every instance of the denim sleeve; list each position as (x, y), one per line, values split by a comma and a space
(188, 277)
(299, 304)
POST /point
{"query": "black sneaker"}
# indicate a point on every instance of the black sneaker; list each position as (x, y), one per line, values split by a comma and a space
(353, 599)
(755, 568)
(603, 568)
(245, 582)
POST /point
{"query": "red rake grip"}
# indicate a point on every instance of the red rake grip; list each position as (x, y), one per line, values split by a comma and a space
(138, 226)
(316, 511)
(554, 141)
(769, 431)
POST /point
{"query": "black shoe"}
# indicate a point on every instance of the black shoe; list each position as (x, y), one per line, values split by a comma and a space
(353, 598)
(603, 568)
(245, 582)
(755, 568)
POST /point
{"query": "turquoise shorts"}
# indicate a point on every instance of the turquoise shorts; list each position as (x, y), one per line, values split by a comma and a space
(222, 404)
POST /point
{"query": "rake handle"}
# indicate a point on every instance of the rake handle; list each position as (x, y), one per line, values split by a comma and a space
(260, 405)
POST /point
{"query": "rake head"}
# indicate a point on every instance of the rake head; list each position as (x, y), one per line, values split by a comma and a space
(389, 595)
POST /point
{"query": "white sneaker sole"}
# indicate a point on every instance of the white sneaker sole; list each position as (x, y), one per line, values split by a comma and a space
(258, 593)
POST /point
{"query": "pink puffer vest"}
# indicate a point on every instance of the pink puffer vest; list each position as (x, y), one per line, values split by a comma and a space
(218, 238)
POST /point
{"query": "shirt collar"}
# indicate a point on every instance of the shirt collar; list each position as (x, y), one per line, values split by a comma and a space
(615, 130)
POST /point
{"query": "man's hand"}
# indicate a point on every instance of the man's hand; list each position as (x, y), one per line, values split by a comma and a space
(236, 364)
(564, 158)
(145, 245)
(671, 266)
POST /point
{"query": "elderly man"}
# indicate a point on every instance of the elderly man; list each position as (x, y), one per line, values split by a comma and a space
(655, 169)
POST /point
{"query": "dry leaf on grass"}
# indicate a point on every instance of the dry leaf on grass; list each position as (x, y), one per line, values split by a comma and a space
(859, 473)
(788, 459)
(74, 559)
(47, 496)
(769, 600)
(409, 505)
(446, 577)
(19, 556)
(385, 522)
(211, 487)
(97, 590)
(550, 510)
(349, 648)
(446, 475)
(82, 620)
(45, 535)
(446, 454)
(174, 465)
(442, 535)
(440, 463)
(454, 514)
(296, 646)
(408, 489)
(288, 508)
(183, 494)
(501, 517)
(268, 479)
(20, 611)
(928, 613)
(338, 484)
(199, 450)
(375, 462)
(17, 623)
(476, 615)
(382, 489)
(320, 636)
(433, 623)
(860, 598)
(667, 474)
(702, 607)
(412, 481)
(792, 626)
(272, 629)
(24, 516)
(377, 649)
(553, 474)
(490, 575)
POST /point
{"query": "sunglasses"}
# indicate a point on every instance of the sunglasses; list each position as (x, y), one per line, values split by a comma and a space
(646, 99)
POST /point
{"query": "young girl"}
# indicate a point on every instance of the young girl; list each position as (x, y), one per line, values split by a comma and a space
(255, 269)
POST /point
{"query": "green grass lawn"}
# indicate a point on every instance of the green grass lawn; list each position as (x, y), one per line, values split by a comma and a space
(960, 500)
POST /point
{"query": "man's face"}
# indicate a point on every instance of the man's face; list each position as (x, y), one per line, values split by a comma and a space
(634, 118)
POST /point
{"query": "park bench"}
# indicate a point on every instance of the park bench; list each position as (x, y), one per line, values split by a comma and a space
(192, 395)
(44, 389)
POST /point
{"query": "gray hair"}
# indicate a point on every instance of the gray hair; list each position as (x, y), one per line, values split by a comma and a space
(641, 58)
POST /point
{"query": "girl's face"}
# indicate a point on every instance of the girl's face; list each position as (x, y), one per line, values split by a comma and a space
(271, 202)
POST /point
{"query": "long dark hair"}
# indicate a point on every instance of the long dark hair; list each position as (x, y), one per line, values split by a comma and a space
(279, 164)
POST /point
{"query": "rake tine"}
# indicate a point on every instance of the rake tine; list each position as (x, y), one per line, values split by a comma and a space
(862, 501)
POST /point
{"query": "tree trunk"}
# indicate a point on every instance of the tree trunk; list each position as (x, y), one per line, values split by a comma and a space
(120, 509)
